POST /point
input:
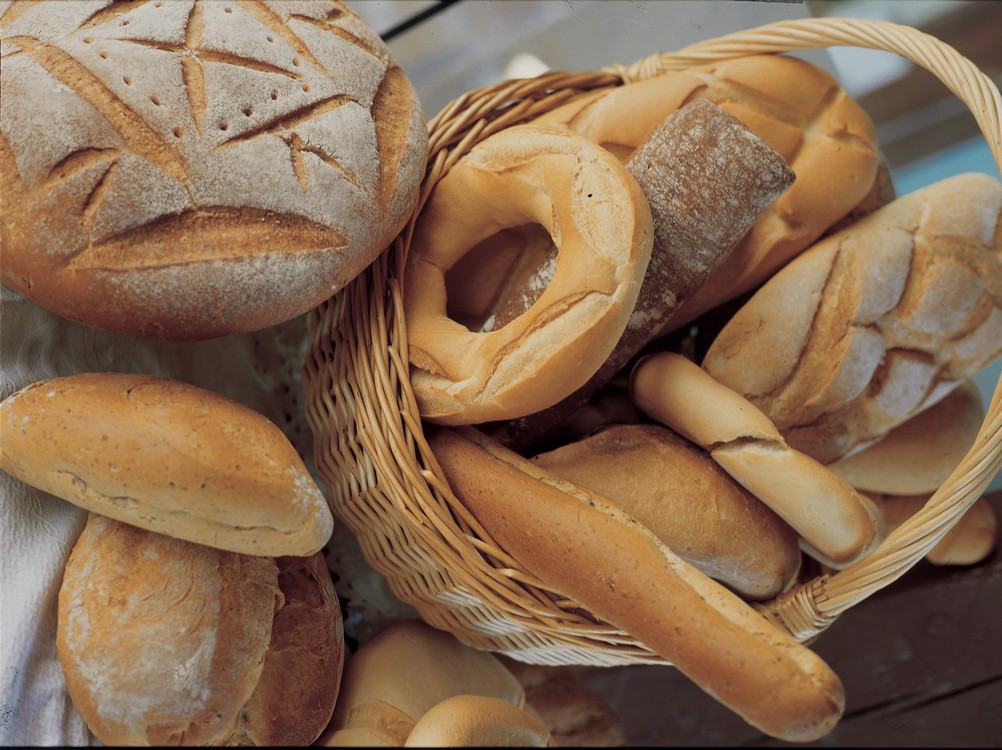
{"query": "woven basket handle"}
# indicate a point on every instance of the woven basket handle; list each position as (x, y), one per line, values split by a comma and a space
(809, 609)
(960, 75)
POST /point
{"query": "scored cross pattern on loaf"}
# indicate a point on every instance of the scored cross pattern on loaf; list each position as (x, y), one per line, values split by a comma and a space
(147, 144)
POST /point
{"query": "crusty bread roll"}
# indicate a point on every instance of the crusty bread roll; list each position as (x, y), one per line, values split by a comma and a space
(601, 221)
(837, 525)
(397, 676)
(167, 457)
(707, 179)
(199, 169)
(595, 554)
(918, 455)
(166, 642)
(294, 699)
(795, 107)
(678, 492)
(874, 323)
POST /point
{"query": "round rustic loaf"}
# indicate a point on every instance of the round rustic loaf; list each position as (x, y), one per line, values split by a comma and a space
(190, 170)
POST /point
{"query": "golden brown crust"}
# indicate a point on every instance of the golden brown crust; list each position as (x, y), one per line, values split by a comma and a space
(876, 323)
(402, 672)
(795, 107)
(677, 491)
(477, 721)
(200, 169)
(918, 455)
(167, 457)
(294, 699)
(620, 572)
(837, 525)
(162, 641)
(580, 194)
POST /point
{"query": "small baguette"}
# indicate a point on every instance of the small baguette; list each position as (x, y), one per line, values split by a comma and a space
(167, 457)
(837, 524)
(592, 552)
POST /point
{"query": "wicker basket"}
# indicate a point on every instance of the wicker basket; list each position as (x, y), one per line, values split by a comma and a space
(381, 476)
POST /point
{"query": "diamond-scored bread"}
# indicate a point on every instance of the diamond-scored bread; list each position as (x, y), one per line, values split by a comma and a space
(198, 169)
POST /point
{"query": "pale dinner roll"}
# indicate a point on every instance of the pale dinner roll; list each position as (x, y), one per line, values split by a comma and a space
(190, 170)
(796, 108)
(837, 525)
(678, 492)
(397, 676)
(168, 457)
(477, 721)
(600, 221)
(592, 552)
(873, 324)
(918, 455)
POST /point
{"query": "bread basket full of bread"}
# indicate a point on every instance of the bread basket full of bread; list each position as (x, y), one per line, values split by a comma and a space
(649, 373)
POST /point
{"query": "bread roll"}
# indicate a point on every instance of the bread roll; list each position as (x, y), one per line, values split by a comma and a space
(918, 455)
(162, 641)
(873, 324)
(407, 668)
(972, 539)
(795, 107)
(167, 457)
(837, 525)
(477, 721)
(678, 492)
(707, 179)
(294, 699)
(595, 554)
(190, 170)
(596, 211)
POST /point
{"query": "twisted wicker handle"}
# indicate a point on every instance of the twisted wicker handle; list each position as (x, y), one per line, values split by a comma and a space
(810, 608)
(959, 74)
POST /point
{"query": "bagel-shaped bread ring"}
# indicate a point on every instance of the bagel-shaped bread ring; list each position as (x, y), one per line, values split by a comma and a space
(601, 225)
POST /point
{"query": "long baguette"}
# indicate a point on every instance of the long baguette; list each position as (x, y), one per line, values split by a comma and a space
(591, 551)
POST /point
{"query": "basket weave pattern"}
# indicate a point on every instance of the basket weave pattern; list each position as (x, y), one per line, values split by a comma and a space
(383, 480)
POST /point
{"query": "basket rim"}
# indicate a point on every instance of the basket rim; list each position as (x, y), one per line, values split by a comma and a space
(807, 609)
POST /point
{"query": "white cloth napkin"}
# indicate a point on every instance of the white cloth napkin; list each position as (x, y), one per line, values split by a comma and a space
(37, 531)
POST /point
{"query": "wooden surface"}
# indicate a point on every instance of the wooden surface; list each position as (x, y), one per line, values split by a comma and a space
(921, 662)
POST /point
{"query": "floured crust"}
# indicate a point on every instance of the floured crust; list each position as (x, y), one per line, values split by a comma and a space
(917, 456)
(199, 169)
(875, 323)
(127, 594)
(795, 107)
(168, 457)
